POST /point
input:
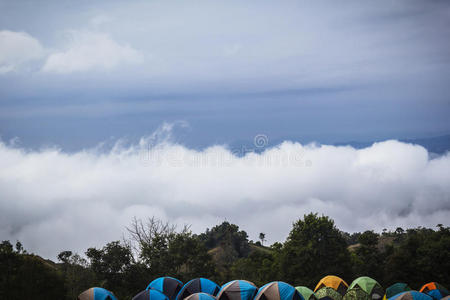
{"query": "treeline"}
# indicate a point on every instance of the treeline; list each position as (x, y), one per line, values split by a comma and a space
(313, 249)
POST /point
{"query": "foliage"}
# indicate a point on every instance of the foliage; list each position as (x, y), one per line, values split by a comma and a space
(259, 267)
(227, 244)
(26, 276)
(76, 272)
(110, 265)
(422, 256)
(229, 236)
(163, 250)
(314, 247)
(367, 259)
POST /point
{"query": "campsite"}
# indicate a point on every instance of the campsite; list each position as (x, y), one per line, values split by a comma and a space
(156, 258)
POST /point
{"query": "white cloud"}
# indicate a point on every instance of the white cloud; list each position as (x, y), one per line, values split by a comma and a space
(91, 51)
(17, 48)
(54, 201)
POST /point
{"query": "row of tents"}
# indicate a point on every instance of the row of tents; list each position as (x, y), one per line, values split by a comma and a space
(329, 288)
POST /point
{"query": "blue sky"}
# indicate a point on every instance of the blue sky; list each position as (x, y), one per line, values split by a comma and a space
(111, 110)
(76, 74)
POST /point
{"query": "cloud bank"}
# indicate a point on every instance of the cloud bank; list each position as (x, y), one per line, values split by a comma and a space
(54, 201)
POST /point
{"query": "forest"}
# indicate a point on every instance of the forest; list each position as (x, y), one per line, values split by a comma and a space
(315, 247)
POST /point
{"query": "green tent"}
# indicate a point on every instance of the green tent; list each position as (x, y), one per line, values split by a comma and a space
(307, 293)
(397, 288)
(370, 286)
(328, 293)
(356, 293)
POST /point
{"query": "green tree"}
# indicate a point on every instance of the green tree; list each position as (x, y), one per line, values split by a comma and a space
(27, 276)
(367, 258)
(259, 267)
(227, 235)
(227, 244)
(190, 257)
(422, 256)
(262, 237)
(314, 248)
(166, 252)
(156, 253)
(110, 265)
(77, 274)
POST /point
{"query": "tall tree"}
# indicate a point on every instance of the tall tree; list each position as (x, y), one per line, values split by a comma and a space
(259, 267)
(77, 274)
(314, 247)
(227, 235)
(110, 264)
(367, 258)
(168, 252)
(262, 237)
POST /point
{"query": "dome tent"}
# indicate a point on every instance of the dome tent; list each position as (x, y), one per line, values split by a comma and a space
(334, 282)
(237, 290)
(396, 288)
(96, 293)
(198, 285)
(278, 290)
(200, 296)
(356, 293)
(328, 293)
(368, 285)
(435, 290)
(438, 294)
(411, 295)
(306, 292)
(150, 294)
(169, 286)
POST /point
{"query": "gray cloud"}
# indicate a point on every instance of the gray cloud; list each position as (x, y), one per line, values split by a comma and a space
(89, 51)
(52, 200)
(288, 45)
(255, 66)
(17, 49)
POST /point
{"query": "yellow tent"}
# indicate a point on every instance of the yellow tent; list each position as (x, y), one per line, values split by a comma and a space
(334, 282)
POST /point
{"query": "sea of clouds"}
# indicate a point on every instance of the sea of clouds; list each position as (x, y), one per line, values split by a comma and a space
(52, 200)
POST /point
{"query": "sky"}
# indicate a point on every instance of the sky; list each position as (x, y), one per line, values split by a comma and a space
(87, 87)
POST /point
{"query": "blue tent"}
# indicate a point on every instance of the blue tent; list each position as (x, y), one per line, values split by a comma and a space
(198, 285)
(396, 288)
(168, 285)
(438, 294)
(96, 293)
(237, 290)
(150, 294)
(278, 290)
(411, 295)
(435, 290)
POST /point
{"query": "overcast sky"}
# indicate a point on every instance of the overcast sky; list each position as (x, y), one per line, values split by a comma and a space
(73, 73)
(78, 75)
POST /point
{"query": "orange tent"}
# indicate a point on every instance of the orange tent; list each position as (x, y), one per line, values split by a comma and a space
(333, 282)
(435, 290)
(431, 286)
